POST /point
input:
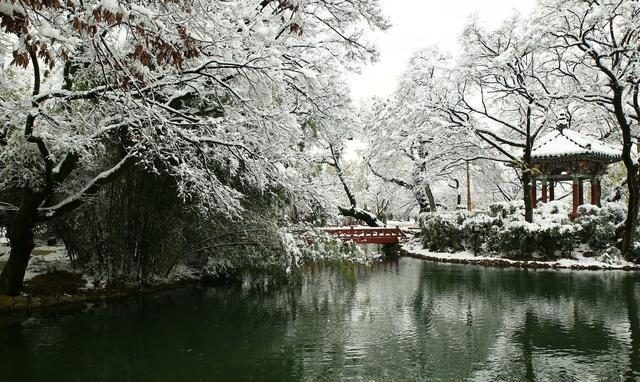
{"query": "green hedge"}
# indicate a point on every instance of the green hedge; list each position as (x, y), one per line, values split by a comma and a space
(441, 233)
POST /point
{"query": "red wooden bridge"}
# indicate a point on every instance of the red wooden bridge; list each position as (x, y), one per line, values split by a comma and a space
(367, 235)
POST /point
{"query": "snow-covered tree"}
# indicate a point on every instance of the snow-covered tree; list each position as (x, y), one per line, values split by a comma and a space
(506, 95)
(412, 142)
(329, 148)
(206, 92)
(596, 48)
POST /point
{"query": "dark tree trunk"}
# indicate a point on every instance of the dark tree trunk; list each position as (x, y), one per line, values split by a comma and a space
(432, 201)
(631, 222)
(528, 204)
(425, 198)
(526, 171)
(424, 206)
(423, 194)
(21, 240)
(368, 218)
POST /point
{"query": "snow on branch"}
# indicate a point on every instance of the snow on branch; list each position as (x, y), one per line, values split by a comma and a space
(76, 200)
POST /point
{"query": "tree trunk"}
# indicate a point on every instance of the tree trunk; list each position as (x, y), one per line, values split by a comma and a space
(425, 198)
(21, 240)
(458, 194)
(368, 218)
(526, 171)
(528, 206)
(631, 222)
(432, 201)
(424, 205)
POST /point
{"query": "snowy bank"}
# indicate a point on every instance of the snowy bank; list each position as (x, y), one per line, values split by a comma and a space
(414, 248)
(50, 270)
(44, 259)
(502, 232)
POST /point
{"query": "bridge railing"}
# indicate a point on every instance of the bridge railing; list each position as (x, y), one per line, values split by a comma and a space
(382, 235)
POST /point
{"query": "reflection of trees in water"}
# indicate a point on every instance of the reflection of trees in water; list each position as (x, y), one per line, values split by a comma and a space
(13, 341)
(633, 371)
(190, 334)
(361, 335)
(549, 318)
(406, 320)
(455, 331)
(212, 334)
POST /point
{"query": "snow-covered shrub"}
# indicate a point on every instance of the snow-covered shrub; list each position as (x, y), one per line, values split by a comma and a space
(478, 230)
(502, 229)
(611, 255)
(514, 239)
(461, 216)
(615, 212)
(553, 208)
(556, 212)
(635, 250)
(507, 209)
(598, 225)
(556, 240)
(521, 239)
(442, 232)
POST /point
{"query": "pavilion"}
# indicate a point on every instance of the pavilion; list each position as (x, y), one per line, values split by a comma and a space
(567, 155)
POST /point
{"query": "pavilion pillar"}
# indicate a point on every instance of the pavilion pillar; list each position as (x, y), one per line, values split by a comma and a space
(534, 198)
(544, 190)
(576, 200)
(580, 192)
(595, 191)
(552, 190)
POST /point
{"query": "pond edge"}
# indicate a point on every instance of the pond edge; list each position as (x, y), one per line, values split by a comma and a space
(507, 263)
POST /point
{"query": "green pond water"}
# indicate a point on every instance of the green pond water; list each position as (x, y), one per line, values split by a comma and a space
(408, 320)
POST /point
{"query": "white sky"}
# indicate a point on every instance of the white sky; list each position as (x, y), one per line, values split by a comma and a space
(420, 23)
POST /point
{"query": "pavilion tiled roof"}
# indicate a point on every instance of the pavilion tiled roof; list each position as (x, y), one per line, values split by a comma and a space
(567, 144)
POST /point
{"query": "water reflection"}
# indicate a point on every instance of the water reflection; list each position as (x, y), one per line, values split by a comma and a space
(400, 320)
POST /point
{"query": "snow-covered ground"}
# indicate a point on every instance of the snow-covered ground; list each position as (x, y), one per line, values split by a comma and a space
(580, 262)
(401, 223)
(45, 259)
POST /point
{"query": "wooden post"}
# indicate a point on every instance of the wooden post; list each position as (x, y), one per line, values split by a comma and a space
(468, 188)
(580, 192)
(544, 190)
(552, 190)
(595, 191)
(534, 198)
(574, 212)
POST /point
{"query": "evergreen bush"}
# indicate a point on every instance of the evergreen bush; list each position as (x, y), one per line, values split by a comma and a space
(441, 232)
(502, 230)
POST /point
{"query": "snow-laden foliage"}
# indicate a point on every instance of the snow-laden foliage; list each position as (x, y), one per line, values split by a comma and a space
(286, 254)
(212, 93)
(510, 85)
(595, 48)
(412, 142)
(502, 230)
